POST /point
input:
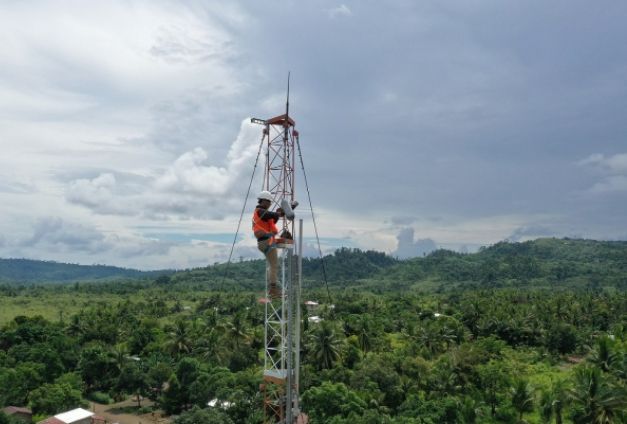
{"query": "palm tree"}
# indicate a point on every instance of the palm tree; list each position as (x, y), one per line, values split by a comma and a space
(364, 334)
(604, 355)
(596, 401)
(180, 340)
(552, 402)
(522, 397)
(236, 330)
(326, 347)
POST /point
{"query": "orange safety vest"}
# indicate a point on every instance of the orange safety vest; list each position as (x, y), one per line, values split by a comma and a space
(261, 227)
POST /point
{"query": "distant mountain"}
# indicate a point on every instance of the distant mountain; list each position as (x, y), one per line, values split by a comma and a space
(32, 271)
(546, 261)
(541, 262)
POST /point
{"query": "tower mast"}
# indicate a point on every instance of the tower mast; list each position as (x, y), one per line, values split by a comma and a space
(280, 384)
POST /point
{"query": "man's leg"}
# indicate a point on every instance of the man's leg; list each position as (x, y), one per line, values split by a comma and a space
(272, 268)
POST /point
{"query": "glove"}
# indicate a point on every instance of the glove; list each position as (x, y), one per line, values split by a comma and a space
(280, 211)
(294, 204)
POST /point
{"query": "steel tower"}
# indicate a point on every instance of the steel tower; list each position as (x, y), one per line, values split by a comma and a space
(280, 385)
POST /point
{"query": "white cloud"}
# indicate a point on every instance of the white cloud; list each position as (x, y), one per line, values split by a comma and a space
(339, 11)
(615, 164)
(191, 173)
(614, 169)
(409, 248)
(610, 184)
(93, 193)
(192, 186)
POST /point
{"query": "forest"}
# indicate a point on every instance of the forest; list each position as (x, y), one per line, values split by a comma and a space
(531, 332)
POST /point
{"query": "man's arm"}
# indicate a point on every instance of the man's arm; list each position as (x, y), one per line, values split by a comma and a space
(267, 215)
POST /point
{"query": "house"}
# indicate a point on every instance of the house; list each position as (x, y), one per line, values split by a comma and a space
(75, 416)
(24, 414)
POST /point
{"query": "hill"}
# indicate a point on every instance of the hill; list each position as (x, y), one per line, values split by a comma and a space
(32, 271)
(542, 262)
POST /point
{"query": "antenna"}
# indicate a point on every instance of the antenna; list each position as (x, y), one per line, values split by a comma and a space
(287, 102)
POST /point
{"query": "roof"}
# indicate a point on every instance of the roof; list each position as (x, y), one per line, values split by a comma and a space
(51, 420)
(9, 410)
(74, 415)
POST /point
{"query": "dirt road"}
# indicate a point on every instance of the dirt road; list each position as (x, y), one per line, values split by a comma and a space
(121, 413)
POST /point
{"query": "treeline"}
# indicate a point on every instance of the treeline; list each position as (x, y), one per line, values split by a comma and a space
(32, 271)
(541, 262)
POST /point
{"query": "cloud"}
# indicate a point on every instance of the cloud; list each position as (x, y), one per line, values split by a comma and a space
(610, 184)
(191, 172)
(189, 187)
(409, 248)
(340, 11)
(96, 194)
(54, 232)
(530, 232)
(615, 164)
(613, 168)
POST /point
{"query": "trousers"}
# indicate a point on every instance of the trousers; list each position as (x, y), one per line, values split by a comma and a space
(272, 261)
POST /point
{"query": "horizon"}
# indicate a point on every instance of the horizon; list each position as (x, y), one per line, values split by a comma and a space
(329, 253)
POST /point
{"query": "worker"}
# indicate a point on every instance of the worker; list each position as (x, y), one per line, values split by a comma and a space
(264, 228)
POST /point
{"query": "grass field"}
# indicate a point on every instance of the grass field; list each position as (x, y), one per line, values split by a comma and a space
(51, 306)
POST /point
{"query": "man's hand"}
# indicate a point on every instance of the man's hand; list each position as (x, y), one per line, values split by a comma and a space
(280, 211)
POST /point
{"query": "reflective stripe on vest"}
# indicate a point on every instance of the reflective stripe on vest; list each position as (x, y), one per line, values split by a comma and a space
(262, 227)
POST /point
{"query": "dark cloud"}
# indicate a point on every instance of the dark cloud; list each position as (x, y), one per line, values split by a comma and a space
(477, 110)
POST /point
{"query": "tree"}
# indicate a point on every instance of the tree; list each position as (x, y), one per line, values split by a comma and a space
(552, 403)
(326, 346)
(97, 366)
(604, 354)
(51, 399)
(133, 379)
(596, 401)
(180, 339)
(522, 397)
(197, 415)
(493, 380)
(329, 400)
(7, 419)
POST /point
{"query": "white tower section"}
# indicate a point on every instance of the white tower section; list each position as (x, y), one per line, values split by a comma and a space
(280, 385)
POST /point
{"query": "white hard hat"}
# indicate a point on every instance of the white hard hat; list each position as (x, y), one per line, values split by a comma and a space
(265, 195)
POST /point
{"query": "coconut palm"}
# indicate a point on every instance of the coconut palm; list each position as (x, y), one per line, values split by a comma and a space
(604, 354)
(180, 338)
(596, 401)
(552, 403)
(522, 397)
(326, 346)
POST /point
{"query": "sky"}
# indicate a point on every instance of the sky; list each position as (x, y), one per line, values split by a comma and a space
(126, 135)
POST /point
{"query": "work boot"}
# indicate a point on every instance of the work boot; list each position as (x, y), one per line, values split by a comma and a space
(274, 292)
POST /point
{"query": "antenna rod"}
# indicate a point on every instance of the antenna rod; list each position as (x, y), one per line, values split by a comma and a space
(287, 103)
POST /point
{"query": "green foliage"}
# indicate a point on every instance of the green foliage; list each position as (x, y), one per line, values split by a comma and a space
(52, 399)
(329, 400)
(6, 419)
(27, 270)
(203, 416)
(100, 397)
(444, 338)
